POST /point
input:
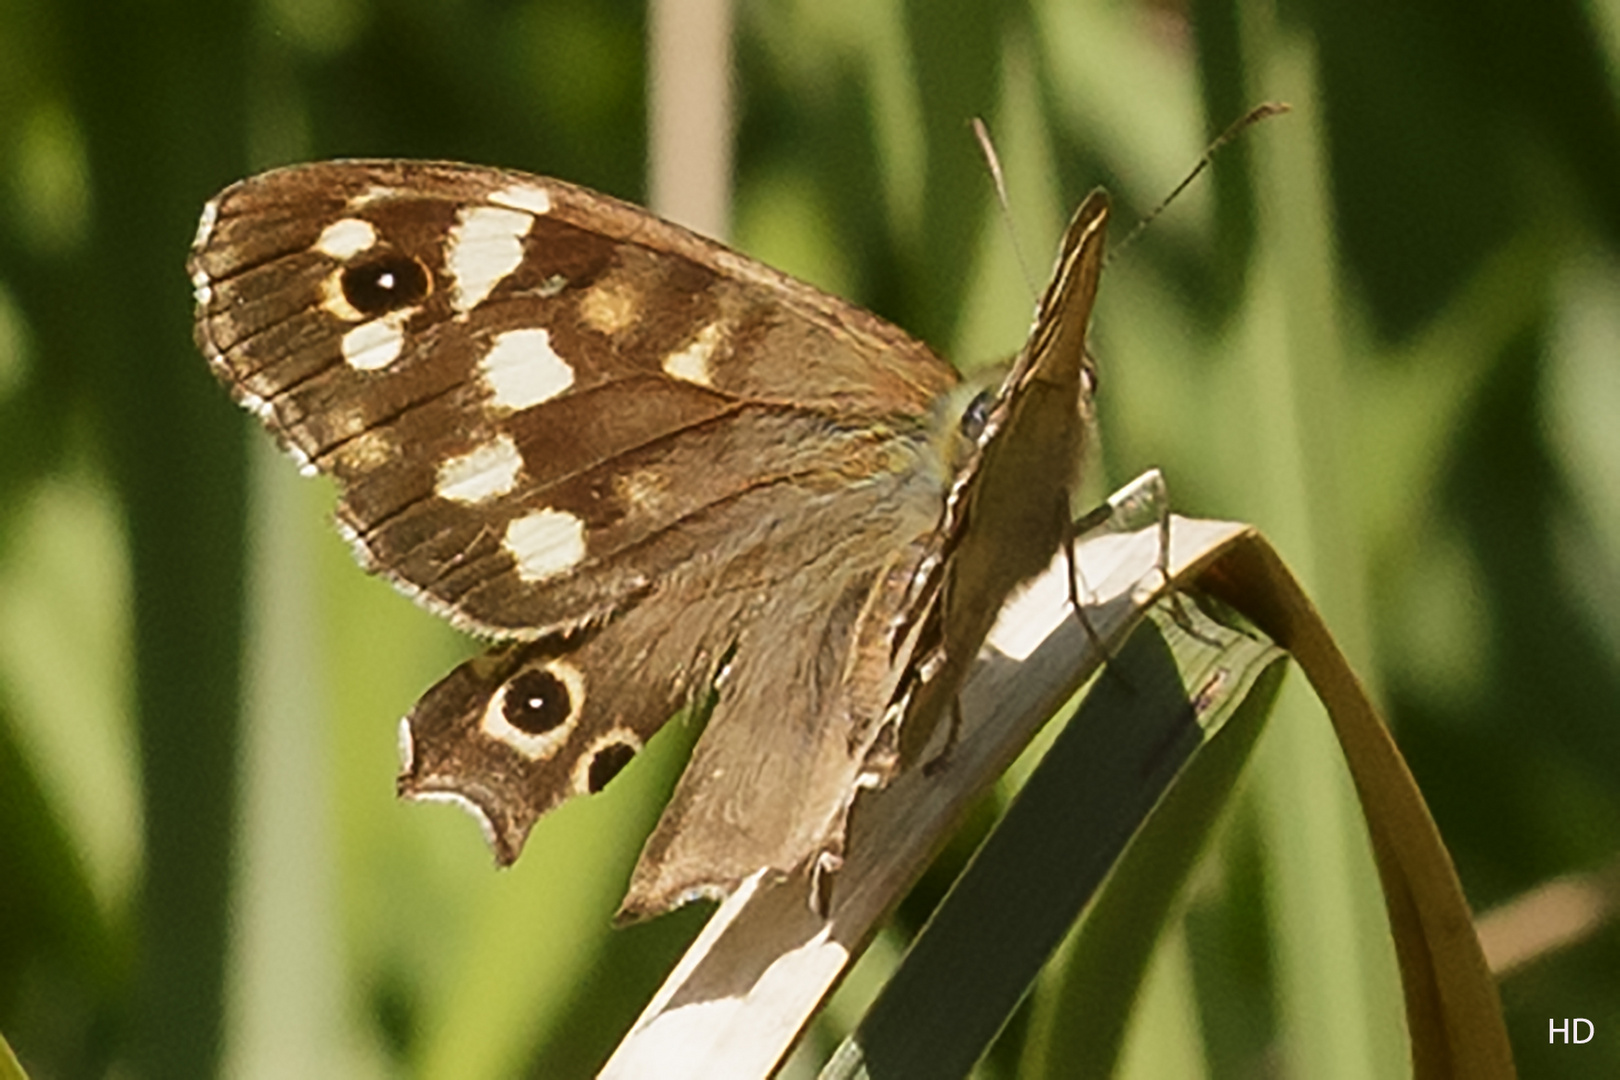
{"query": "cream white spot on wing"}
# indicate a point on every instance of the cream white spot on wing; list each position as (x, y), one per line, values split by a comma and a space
(644, 489)
(691, 364)
(534, 199)
(610, 306)
(375, 193)
(202, 289)
(375, 344)
(333, 300)
(345, 422)
(370, 449)
(407, 745)
(488, 472)
(533, 690)
(346, 238)
(545, 543)
(205, 223)
(486, 244)
(362, 550)
(522, 369)
(258, 406)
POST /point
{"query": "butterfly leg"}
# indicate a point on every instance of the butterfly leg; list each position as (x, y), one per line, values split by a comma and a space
(937, 764)
(824, 868)
(1091, 520)
(1178, 607)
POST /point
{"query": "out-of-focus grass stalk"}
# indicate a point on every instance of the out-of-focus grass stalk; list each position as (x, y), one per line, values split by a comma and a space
(1336, 993)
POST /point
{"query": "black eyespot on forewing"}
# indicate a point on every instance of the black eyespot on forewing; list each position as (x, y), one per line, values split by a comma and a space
(385, 283)
(607, 763)
(536, 701)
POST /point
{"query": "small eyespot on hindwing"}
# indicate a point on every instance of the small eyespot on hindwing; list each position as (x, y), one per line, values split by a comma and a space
(607, 763)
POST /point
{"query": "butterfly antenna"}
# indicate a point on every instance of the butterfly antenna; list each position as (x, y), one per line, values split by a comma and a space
(1263, 111)
(987, 147)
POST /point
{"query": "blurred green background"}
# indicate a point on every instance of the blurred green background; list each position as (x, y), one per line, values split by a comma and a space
(1386, 329)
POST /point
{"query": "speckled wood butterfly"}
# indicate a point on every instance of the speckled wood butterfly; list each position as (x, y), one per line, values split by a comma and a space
(648, 469)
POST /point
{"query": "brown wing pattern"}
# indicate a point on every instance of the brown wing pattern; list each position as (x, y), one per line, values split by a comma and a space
(558, 420)
(520, 730)
(521, 387)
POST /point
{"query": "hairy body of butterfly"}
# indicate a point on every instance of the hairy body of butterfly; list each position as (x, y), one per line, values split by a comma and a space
(648, 467)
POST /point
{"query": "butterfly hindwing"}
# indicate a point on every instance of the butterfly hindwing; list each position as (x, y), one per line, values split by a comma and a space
(790, 604)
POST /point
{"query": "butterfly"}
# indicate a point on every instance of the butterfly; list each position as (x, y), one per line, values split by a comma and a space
(650, 471)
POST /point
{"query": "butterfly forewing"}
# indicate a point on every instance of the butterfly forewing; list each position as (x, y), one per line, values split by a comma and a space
(517, 382)
(554, 418)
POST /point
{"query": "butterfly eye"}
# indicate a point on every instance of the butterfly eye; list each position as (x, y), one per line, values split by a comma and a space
(386, 283)
(536, 701)
(976, 415)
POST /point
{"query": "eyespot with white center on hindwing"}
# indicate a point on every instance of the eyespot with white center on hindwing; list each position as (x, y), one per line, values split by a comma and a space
(545, 543)
(521, 370)
(536, 710)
